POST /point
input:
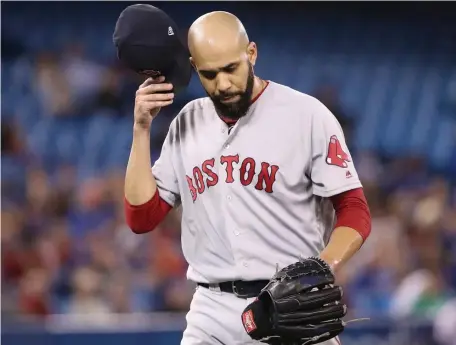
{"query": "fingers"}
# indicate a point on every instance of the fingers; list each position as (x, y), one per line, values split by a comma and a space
(151, 96)
(157, 97)
(152, 85)
(154, 88)
(161, 104)
(153, 104)
(150, 81)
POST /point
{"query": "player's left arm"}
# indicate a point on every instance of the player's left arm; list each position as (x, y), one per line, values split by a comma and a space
(334, 176)
(352, 228)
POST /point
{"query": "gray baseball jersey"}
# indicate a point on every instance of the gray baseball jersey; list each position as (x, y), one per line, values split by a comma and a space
(254, 197)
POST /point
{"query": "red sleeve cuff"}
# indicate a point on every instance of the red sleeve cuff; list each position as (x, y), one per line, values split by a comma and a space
(145, 218)
(352, 211)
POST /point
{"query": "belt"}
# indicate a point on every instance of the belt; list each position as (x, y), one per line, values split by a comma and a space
(240, 288)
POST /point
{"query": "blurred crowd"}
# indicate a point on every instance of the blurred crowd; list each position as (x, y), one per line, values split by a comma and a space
(65, 245)
(66, 248)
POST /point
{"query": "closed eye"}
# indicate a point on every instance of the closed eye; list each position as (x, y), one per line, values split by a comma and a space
(208, 74)
(212, 74)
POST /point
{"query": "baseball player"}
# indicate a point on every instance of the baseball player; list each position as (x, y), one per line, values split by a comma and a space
(264, 178)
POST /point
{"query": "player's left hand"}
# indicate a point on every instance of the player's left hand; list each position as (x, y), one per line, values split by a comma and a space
(299, 306)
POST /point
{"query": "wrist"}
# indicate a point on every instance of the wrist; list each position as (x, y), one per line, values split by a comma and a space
(332, 263)
(141, 129)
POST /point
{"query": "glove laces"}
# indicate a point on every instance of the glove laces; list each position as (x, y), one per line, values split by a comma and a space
(344, 323)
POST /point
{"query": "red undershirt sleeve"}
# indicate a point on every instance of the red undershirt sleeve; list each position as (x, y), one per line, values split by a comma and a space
(352, 211)
(145, 218)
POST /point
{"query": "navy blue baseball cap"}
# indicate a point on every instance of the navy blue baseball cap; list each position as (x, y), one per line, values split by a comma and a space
(149, 42)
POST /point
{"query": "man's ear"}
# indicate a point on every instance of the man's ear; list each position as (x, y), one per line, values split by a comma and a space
(192, 62)
(252, 52)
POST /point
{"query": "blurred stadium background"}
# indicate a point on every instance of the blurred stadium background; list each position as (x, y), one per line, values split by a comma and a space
(72, 271)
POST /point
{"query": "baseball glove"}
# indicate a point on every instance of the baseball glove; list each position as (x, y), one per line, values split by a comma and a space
(299, 306)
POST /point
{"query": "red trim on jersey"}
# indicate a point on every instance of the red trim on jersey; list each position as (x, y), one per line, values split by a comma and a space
(231, 121)
(145, 218)
(261, 92)
(352, 211)
(228, 121)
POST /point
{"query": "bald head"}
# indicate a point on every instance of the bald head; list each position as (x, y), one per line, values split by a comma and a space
(224, 58)
(216, 32)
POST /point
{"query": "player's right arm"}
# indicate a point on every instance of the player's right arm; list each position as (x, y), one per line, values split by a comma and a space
(144, 206)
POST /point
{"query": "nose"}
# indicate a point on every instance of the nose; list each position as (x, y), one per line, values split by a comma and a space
(223, 83)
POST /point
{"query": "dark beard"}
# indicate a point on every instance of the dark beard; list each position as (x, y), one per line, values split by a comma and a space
(238, 109)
